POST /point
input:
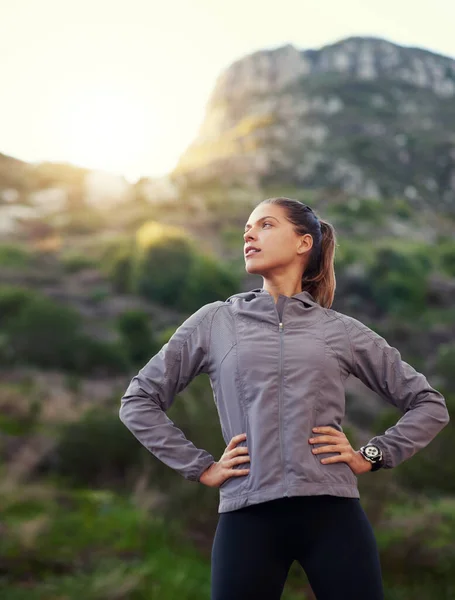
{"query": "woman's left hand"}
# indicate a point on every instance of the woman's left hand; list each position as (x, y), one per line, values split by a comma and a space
(338, 442)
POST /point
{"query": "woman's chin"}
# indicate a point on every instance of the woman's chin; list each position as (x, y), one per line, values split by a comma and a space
(252, 269)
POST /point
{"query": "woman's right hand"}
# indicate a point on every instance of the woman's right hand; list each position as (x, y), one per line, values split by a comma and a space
(218, 472)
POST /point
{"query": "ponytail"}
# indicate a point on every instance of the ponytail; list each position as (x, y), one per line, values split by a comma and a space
(319, 277)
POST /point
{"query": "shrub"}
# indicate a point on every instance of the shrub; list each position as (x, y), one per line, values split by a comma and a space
(36, 330)
(116, 264)
(162, 257)
(398, 278)
(12, 300)
(446, 254)
(74, 262)
(41, 332)
(137, 338)
(12, 255)
(99, 356)
(206, 281)
(96, 450)
(445, 361)
(164, 265)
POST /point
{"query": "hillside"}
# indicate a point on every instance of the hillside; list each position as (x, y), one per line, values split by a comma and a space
(96, 274)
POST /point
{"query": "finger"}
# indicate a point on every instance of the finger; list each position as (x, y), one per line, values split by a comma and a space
(337, 448)
(237, 461)
(236, 451)
(235, 440)
(344, 457)
(327, 429)
(326, 438)
(238, 472)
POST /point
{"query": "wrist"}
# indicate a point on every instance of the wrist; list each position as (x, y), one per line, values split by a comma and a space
(364, 464)
(204, 472)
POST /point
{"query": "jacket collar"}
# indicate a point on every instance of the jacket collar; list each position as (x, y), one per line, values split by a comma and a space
(302, 296)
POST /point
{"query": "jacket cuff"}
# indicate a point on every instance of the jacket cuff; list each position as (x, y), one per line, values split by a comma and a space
(203, 466)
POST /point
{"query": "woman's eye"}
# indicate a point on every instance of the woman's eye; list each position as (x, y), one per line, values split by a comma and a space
(266, 223)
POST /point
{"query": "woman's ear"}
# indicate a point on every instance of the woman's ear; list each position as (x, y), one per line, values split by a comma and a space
(305, 243)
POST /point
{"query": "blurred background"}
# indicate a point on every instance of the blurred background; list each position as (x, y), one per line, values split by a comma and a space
(136, 138)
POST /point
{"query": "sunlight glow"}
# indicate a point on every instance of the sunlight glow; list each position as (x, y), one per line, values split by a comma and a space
(103, 128)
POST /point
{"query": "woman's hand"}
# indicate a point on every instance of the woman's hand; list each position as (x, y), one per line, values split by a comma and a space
(338, 442)
(218, 472)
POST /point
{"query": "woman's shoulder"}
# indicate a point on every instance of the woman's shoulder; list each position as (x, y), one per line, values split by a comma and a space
(353, 326)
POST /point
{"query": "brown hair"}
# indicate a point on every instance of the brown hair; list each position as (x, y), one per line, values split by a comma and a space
(318, 277)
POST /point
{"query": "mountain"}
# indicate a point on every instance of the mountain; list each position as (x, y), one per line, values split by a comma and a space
(363, 115)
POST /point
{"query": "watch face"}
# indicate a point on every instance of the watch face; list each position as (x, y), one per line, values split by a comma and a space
(371, 451)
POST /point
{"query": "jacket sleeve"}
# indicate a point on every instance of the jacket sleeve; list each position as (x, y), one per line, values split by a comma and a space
(379, 366)
(151, 392)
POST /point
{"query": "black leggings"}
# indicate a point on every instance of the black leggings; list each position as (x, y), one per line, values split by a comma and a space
(330, 536)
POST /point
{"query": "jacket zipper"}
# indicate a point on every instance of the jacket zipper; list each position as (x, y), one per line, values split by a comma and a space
(280, 405)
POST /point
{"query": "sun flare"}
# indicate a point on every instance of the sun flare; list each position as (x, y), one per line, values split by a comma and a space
(103, 128)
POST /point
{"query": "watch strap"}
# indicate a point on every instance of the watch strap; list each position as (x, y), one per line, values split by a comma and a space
(377, 465)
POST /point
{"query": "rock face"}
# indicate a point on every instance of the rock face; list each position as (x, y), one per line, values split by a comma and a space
(363, 115)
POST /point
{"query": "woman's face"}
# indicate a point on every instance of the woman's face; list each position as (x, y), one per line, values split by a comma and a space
(280, 247)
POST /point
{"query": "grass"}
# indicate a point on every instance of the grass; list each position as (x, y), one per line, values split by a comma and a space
(97, 545)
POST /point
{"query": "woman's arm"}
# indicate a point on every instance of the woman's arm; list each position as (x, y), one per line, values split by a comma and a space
(379, 366)
(151, 392)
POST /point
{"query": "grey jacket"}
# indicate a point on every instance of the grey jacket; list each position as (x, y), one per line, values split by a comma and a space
(276, 371)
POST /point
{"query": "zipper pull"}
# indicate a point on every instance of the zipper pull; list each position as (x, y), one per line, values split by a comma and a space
(281, 327)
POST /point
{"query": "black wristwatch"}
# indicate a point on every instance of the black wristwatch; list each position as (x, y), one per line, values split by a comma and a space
(374, 454)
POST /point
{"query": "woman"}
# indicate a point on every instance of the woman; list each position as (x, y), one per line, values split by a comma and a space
(277, 358)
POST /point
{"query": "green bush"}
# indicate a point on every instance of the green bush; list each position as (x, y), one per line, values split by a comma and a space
(352, 251)
(74, 262)
(445, 361)
(161, 261)
(15, 256)
(116, 263)
(98, 357)
(402, 208)
(96, 450)
(164, 265)
(36, 330)
(398, 278)
(231, 236)
(206, 281)
(137, 337)
(366, 209)
(446, 255)
(416, 546)
(41, 332)
(12, 300)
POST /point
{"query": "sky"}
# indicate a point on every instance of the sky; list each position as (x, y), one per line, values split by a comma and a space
(122, 86)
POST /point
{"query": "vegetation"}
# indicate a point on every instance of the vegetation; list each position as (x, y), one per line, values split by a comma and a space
(37, 331)
(86, 510)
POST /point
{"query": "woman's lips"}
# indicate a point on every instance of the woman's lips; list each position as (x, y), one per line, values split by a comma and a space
(252, 253)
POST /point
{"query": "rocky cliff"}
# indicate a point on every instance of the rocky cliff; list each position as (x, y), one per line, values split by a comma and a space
(362, 115)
